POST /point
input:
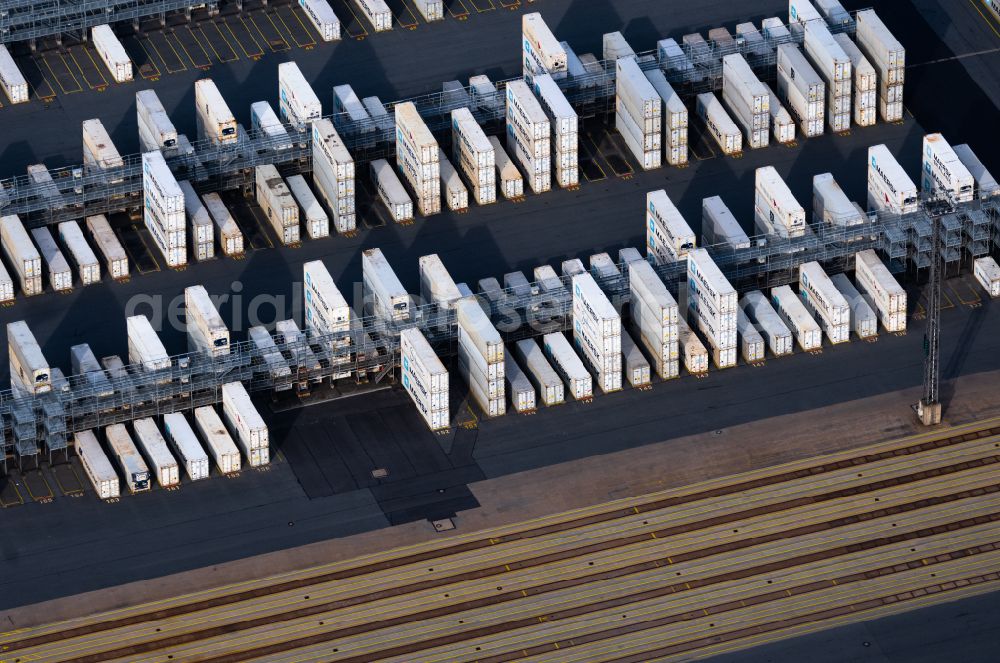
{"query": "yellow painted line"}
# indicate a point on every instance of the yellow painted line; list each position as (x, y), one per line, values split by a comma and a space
(295, 15)
(59, 82)
(164, 61)
(150, 60)
(247, 53)
(41, 74)
(253, 22)
(989, 22)
(152, 254)
(207, 62)
(229, 44)
(99, 68)
(480, 9)
(412, 24)
(462, 15)
(277, 31)
(361, 24)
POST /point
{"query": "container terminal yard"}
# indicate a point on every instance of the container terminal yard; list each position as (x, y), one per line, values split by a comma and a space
(568, 307)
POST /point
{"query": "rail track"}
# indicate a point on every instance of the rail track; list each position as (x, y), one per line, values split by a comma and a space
(708, 567)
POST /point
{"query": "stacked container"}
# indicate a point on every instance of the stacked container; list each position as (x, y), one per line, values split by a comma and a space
(565, 140)
(551, 389)
(22, 254)
(883, 291)
(112, 52)
(888, 57)
(802, 89)
(865, 83)
(230, 235)
(206, 331)
(802, 13)
(719, 226)
(384, 296)
(243, 417)
(144, 345)
(346, 102)
(794, 314)
(417, 158)
(13, 82)
(481, 357)
(944, 173)
(60, 275)
(333, 174)
(475, 156)
(834, 66)
(782, 124)
(220, 444)
(278, 204)
(890, 189)
(668, 235)
(455, 194)
(825, 301)
(654, 317)
(675, 119)
(597, 331)
(425, 378)
(776, 212)
(751, 342)
(713, 303)
(722, 128)
(327, 312)
(529, 136)
(202, 227)
(163, 209)
(216, 122)
(638, 113)
(691, 348)
(154, 448)
(747, 98)
(185, 445)
(541, 51)
(509, 177)
(864, 322)
(987, 272)
(760, 312)
(156, 131)
(317, 222)
(436, 284)
(567, 364)
(99, 153)
(115, 258)
(522, 392)
(391, 191)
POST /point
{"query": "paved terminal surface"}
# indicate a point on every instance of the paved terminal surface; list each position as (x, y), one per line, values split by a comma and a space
(709, 567)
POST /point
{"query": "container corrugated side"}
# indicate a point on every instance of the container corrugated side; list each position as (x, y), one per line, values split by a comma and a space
(11, 79)
(185, 444)
(156, 451)
(757, 307)
(522, 392)
(566, 362)
(217, 439)
(130, 461)
(794, 314)
(95, 463)
(864, 321)
(242, 415)
(550, 387)
(60, 275)
(116, 260)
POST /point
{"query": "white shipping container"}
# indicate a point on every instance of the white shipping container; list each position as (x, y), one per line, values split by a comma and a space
(615, 47)
(890, 189)
(881, 47)
(277, 203)
(751, 342)
(452, 188)
(323, 19)
(759, 310)
(317, 221)
(377, 13)
(215, 121)
(217, 439)
(801, 11)
(29, 371)
(864, 321)
(6, 285)
(822, 296)
(668, 235)
(550, 386)
(725, 132)
(154, 448)
(876, 281)
(566, 362)
(510, 181)
(794, 314)
(161, 192)
(230, 235)
(707, 284)
(144, 345)
(21, 253)
(130, 461)
(719, 226)
(186, 446)
(384, 295)
(775, 206)
(431, 10)
(345, 100)
(297, 101)
(744, 85)
(13, 82)
(239, 410)
(647, 288)
(541, 51)
(202, 227)
(987, 272)
(638, 96)
(522, 392)
(986, 184)
(436, 284)
(112, 52)
(98, 149)
(828, 57)
(693, 350)
(156, 131)
(205, 329)
(831, 206)
(277, 367)
(802, 88)
(475, 326)
(115, 258)
(635, 366)
(391, 191)
(424, 378)
(944, 172)
(98, 468)
(264, 120)
(87, 264)
(60, 275)
(782, 124)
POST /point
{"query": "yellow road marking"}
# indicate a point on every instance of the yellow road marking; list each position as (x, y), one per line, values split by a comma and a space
(97, 68)
(236, 56)
(989, 21)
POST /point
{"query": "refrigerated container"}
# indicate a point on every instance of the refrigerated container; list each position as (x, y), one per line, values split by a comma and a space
(431, 10)
(296, 346)
(759, 310)
(881, 47)
(691, 349)
(529, 135)
(417, 158)
(98, 150)
(217, 439)
(87, 264)
(834, 13)
(452, 188)
(297, 101)
(675, 119)
(13, 82)
(634, 363)
(802, 89)
(60, 275)
(377, 13)
(722, 128)
(875, 280)
(831, 206)
(508, 176)
(597, 331)
(541, 51)
(425, 378)
(115, 258)
(156, 131)
(163, 209)
(22, 254)
(84, 362)
(129, 460)
(747, 99)
(327, 311)
(550, 386)
(782, 124)
(474, 154)
(890, 189)
(569, 366)
(986, 184)
(522, 392)
(436, 284)
(333, 174)
(751, 342)
(230, 235)
(776, 210)
(794, 314)
(865, 86)
(206, 331)
(96, 465)
(144, 345)
(391, 191)
(154, 447)
(944, 172)
(673, 59)
(243, 417)
(265, 121)
(572, 267)
(274, 362)
(215, 121)
(29, 371)
(668, 235)
(615, 47)
(112, 52)
(277, 203)
(321, 15)
(200, 223)
(345, 100)
(186, 446)
(987, 272)
(719, 226)
(864, 322)
(384, 295)
(822, 298)
(317, 221)
(629, 254)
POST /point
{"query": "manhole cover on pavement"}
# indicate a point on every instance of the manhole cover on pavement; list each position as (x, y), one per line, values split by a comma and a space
(443, 525)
